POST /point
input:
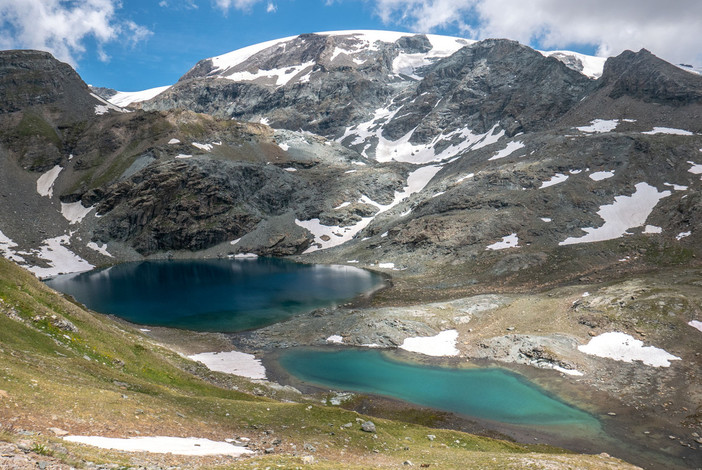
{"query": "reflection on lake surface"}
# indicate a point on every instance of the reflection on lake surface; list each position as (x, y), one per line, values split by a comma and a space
(214, 295)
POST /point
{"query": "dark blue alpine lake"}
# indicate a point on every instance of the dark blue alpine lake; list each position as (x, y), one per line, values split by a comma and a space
(214, 295)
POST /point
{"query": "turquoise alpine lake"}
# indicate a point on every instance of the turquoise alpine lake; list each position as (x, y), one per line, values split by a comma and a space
(487, 393)
(214, 295)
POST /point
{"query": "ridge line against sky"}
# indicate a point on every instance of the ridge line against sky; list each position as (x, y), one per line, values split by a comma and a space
(137, 44)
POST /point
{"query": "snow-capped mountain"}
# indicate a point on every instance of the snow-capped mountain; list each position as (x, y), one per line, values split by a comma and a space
(390, 149)
(364, 88)
(456, 167)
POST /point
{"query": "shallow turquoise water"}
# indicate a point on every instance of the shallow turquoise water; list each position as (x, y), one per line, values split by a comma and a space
(214, 295)
(488, 393)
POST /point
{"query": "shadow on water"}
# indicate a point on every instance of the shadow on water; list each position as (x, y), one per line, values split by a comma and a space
(214, 295)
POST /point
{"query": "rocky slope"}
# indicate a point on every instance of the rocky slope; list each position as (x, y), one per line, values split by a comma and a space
(437, 157)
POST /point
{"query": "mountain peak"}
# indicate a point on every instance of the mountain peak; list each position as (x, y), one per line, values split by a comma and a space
(31, 78)
(644, 76)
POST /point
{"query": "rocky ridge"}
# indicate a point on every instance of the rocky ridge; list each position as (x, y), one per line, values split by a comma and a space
(394, 150)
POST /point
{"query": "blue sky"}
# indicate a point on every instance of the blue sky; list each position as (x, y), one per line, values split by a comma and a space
(182, 35)
(132, 45)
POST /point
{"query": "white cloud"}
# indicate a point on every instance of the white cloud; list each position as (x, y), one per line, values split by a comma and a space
(62, 27)
(238, 4)
(271, 8)
(136, 33)
(667, 29)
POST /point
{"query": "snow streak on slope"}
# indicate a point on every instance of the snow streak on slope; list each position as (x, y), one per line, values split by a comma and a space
(45, 183)
(402, 150)
(125, 98)
(281, 75)
(328, 236)
(231, 59)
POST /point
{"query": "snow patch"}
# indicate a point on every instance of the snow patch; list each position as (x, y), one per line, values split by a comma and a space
(125, 98)
(652, 229)
(682, 235)
(443, 344)
(402, 150)
(100, 249)
(696, 324)
(6, 245)
(162, 445)
(182, 156)
(601, 175)
(599, 126)
(676, 187)
(386, 265)
(45, 183)
(625, 213)
(573, 372)
(335, 339)
(284, 146)
(173, 141)
(509, 241)
(282, 75)
(232, 362)
(205, 147)
(546, 219)
(509, 150)
(74, 212)
(61, 260)
(668, 130)
(696, 168)
(622, 347)
(245, 255)
(555, 179)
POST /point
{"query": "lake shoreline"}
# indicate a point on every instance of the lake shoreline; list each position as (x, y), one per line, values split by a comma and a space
(618, 393)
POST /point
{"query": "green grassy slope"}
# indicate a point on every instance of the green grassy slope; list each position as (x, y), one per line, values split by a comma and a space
(62, 366)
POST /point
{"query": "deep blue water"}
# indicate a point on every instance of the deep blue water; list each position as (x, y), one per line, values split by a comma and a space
(214, 295)
(488, 393)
